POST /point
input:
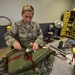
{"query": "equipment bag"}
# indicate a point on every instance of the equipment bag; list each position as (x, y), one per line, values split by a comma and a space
(3, 66)
(21, 61)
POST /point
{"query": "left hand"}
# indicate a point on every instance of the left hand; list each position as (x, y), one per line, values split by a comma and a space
(34, 46)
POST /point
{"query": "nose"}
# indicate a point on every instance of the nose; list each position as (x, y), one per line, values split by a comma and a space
(28, 19)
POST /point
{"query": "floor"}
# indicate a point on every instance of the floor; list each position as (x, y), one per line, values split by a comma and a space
(60, 67)
(4, 51)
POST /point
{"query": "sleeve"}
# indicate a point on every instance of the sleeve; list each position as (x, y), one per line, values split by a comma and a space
(9, 35)
(39, 39)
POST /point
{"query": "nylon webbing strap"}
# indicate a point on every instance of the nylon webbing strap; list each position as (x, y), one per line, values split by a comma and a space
(29, 57)
(13, 58)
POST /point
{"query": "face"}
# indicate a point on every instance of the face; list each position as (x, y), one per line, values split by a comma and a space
(27, 16)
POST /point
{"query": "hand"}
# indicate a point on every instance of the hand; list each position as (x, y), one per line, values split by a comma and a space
(34, 46)
(45, 47)
(17, 45)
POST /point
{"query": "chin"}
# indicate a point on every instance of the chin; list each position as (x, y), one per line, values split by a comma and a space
(27, 22)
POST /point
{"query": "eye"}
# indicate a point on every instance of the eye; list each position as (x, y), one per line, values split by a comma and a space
(30, 17)
(26, 16)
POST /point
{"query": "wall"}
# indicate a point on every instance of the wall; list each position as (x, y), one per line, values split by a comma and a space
(45, 10)
(73, 5)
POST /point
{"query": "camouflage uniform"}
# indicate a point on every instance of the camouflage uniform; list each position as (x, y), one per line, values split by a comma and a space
(24, 33)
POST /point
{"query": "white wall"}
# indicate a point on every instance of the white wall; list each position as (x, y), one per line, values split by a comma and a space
(73, 5)
(45, 10)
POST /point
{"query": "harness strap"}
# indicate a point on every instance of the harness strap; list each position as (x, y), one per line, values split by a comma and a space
(27, 56)
(13, 58)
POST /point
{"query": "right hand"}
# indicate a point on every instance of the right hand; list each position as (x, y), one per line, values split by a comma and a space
(17, 45)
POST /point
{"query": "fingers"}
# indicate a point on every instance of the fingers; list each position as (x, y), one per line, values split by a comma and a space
(17, 45)
(35, 46)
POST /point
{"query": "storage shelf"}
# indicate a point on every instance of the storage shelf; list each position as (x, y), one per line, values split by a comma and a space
(68, 23)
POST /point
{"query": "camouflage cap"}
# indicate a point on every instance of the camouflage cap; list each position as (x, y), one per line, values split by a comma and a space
(27, 7)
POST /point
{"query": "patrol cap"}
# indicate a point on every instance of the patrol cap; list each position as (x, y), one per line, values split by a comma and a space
(27, 7)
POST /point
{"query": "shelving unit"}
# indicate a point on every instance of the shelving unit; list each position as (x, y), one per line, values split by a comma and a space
(68, 28)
